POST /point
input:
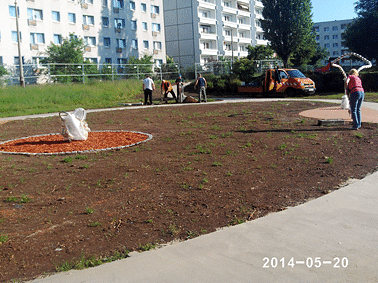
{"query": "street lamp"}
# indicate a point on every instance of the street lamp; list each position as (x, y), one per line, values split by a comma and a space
(22, 80)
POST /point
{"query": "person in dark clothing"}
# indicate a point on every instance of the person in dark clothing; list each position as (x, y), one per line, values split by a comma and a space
(202, 84)
(168, 88)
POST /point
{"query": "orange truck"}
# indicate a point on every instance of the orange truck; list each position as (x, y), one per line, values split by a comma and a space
(281, 82)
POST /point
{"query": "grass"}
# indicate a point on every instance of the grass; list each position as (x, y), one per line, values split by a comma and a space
(3, 238)
(369, 96)
(38, 99)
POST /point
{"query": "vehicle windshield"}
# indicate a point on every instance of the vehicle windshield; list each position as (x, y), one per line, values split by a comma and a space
(296, 74)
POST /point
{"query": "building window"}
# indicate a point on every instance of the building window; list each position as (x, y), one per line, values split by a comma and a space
(105, 22)
(91, 60)
(326, 37)
(119, 23)
(132, 5)
(16, 60)
(143, 7)
(335, 36)
(327, 45)
(107, 42)
(206, 45)
(121, 43)
(335, 45)
(121, 61)
(155, 9)
(326, 29)
(344, 26)
(335, 28)
(14, 36)
(72, 18)
(205, 14)
(12, 11)
(145, 44)
(317, 37)
(118, 4)
(158, 62)
(227, 32)
(134, 44)
(155, 27)
(57, 39)
(316, 29)
(37, 38)
(157, 45)
(105, 3)
(108, 60)
(335, 53)
(34, 14)
(144, 26)
(55, 16)
(205, 29)
(133, 25)
(88, 20)
(227, 18)
(90, 40)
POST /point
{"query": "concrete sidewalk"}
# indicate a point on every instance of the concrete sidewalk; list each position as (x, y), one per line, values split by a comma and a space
(330, 239)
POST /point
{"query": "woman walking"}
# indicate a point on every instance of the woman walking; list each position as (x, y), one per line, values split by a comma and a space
(354, 88)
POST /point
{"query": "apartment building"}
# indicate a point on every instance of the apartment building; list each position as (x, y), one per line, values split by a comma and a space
(113, 30)
(330, 35)
(201, 31)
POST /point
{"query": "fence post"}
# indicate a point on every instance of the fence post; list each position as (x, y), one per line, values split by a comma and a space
(83, 72)
(112, 73)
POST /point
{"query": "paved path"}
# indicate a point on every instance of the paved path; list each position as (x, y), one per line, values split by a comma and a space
(330, 239)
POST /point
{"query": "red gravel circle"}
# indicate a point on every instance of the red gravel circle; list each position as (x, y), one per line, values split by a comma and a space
(55, 143)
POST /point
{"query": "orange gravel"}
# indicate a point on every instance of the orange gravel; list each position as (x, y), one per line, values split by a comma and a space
(55, 143)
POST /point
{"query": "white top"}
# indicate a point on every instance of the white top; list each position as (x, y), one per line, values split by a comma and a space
(148, 83)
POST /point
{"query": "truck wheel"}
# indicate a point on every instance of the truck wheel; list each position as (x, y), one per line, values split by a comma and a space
(289, 92)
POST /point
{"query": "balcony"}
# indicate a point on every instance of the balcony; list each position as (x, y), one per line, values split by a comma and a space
(34, 47)
(244, 27)
(206, 5)
(119, 50)
(259, 4)
(32, 22)
(209, 52)
(88, 49)
(229, 24)
(85, 27)
(208, 36)
(244, 13)
(84, 5)
(244, 40)
(115, 10)
(230, 10)
(209, 21)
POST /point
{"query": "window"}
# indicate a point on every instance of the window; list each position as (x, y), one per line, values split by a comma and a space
(134, 43)
(71, 18)
(227, 32)
(205, 29)
(133, 25)
(155, 27)
(55, 16)
(17, 60)
(132, 5)
(317, 37)
(316, 29)
(73, 36)
(326, 37)
(335, 45)
(155, 9)
(335, 28)
(34, 14)
(241, 34)
(90, 40)
(105, 22)
(327, 45)
(12, 11)
(104, 3)
(226, 18)
(121, 61)
(241, 21)
(14, 36)
(205, 14)
(107, 41)
(143, 6)
(343, 26)
(118, 4)
(121, 43)
(92, 60)
(144, 26)
(335, 53)
(88, 20)
(108, 60)
(157, 45)
(206, 45)
(119, 23)
(57, 39)
(335, 36)
(37, 38)
(326, 29)
(158, 62)
(145, 44)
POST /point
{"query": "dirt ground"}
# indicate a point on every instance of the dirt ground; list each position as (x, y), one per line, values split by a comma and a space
(207, 166)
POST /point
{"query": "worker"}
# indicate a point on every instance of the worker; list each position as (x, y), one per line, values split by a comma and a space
(168, 88)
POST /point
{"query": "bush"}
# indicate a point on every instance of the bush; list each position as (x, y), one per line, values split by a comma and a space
(370, 81)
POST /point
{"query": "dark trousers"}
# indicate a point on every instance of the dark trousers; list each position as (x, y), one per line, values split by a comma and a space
(171, 92)
(147, 96)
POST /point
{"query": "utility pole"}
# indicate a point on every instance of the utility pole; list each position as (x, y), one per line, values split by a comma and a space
(22, 80)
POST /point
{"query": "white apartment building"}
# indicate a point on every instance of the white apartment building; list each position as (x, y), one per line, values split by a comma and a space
(113, 30)
(201, 31)
(330, 35)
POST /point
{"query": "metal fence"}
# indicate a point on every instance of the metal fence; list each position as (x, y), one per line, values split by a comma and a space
(58, 72)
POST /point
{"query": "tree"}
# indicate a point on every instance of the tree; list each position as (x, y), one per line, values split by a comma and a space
(309, 54)
(361, 35)
(140, 66)
(259, 52)
(287, 24)
(69, 52)
(244, 69)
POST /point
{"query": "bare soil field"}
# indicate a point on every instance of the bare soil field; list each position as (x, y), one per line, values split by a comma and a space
(207, 166)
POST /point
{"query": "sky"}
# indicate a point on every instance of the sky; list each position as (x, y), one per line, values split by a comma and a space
(332, 10)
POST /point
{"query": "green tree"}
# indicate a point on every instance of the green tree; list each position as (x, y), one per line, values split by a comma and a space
(309, 54)
(361, 35)
(244, 69)
(259, 52)
(287, 24)
(70, 51)
(139, 66)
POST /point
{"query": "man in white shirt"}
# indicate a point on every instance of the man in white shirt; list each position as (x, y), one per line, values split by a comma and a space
(148, 87)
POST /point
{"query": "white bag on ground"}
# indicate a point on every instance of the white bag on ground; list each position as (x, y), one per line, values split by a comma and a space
(345, 102)
(75, 127)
